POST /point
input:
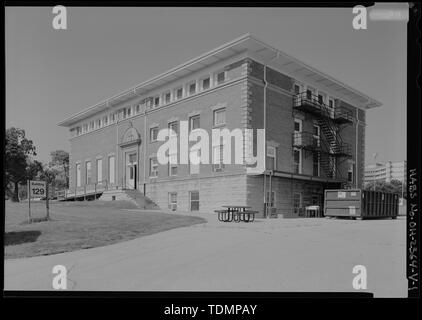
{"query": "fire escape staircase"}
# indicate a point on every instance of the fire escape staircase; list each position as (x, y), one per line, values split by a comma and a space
(329, 146)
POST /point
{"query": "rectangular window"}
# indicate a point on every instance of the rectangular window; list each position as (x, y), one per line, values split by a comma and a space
(321, 97)
(148, 102)
(218, 157)
(85, 127)
(316, 136)
(111, 168)
(113, 118)
(105, 120)
(174, 126)
(173, 201)
(98, 123)
(153, 167)
(271, 158)
(137, 108)
(91, 125)
(156, 102)
(194, 167)
(297, 126)
(192, 88)
(194, 200)
(297, 202)
(297, 88)
(167, 97)
(350, 173)
(129, 111)
(219, 117)
(298, 131)
(78, 131)
(99, 170)
(178, 93)
(315, 164)
(297, 161)
(331, 103)
(220, 77)
(172, 164)
(310, 93)
(153, 134)
(206, 83)
(88, 172)
(78, 174)
(194, 122)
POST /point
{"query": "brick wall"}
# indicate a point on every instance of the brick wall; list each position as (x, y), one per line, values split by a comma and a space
(214, 191)
(284, 189)
(102, 142)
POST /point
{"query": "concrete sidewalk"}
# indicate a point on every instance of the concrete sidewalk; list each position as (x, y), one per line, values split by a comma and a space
(267, 255)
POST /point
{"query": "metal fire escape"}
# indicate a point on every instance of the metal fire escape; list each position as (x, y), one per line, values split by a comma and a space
(329, 146)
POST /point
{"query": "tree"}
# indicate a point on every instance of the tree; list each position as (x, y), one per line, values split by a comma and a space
(394, 186)
(59, 165)
(19, 166)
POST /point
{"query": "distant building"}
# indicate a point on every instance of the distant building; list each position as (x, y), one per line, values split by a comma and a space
(386, 171)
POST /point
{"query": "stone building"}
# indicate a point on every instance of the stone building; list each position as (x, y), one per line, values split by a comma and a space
(314, 133)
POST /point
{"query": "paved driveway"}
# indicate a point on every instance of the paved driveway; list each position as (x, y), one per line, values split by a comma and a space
(267, 255)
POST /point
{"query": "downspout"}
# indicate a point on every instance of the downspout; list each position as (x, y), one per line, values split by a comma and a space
(117, 151)
(265, 133)
(145, 147)
(357, 148)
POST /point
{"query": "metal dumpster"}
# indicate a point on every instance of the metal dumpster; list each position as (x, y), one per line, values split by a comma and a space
(357, 203)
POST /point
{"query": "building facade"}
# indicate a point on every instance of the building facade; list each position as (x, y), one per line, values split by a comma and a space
(314, 132)
(386, 171)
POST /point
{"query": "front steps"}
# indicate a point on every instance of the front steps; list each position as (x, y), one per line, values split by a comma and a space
(134, 196)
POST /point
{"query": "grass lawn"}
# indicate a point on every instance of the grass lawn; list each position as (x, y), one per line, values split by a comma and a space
(81, 225)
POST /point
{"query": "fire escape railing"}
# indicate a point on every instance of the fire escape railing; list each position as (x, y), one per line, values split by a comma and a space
(331, 145)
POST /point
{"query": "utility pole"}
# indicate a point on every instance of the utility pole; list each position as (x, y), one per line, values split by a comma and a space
(402, 183)
(375, 157)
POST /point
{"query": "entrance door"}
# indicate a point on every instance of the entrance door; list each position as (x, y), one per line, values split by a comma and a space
(131, 171)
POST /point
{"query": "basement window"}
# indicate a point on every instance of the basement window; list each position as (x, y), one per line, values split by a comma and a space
(194, 200)
(173, 201)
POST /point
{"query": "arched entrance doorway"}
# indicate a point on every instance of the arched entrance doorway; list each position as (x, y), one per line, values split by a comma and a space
(130, 150)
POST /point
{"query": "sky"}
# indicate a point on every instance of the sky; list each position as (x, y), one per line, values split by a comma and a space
(52, 74)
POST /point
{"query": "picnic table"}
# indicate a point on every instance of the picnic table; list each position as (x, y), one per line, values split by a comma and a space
(236, 213)
(313, 212)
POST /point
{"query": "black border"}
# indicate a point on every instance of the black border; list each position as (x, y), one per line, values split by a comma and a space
(413, 151)
(270, 300)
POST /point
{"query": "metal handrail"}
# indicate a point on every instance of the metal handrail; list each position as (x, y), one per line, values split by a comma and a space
(303, 139)
(333, 113)
(307, 139)
(324, 109)
(83, 189)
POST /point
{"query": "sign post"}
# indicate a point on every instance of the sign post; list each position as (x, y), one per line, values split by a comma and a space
(29, 202)
(36, 189)
(47, 207)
